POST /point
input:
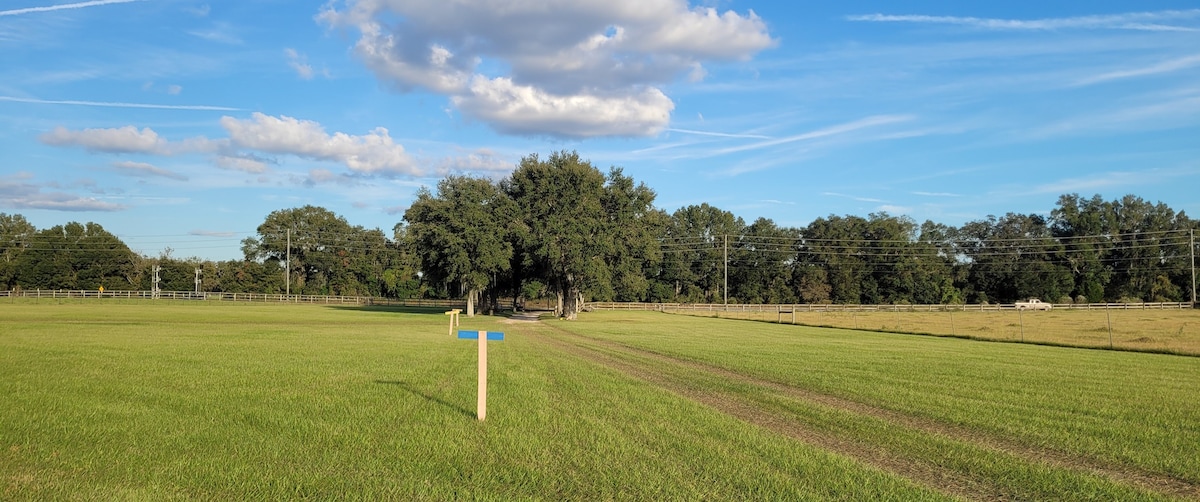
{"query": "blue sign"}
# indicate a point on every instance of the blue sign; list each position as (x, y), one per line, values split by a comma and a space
(474, 335)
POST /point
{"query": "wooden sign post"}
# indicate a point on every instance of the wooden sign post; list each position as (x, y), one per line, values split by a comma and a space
(453, 319)
(483, 337)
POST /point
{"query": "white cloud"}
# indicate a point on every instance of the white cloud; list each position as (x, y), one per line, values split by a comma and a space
(143, 169)
(174, 90)
(894, 209)
(519, 109)
(244, 163)
(852, 197)
(481, 160)
(320, 177)
(49, 8)
(126, 139)
(299, 62)
(253, 141)
(1155, 69)
(1142, 21)
(1181, 112)
(937, 194)
(1120, 179)
(430, 72)
(201, 11)
(372, 153)
(219, 32)
(566, 68)
(17, 194)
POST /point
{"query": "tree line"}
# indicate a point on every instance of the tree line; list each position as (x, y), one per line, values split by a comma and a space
(559, 228)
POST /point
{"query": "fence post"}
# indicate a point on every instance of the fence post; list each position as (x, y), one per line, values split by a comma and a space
(1021, 320)
(1109, 316)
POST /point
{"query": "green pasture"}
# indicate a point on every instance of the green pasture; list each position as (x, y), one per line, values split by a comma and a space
(204, 400)
(1147, 330)
(1121, 409)
(222, 401)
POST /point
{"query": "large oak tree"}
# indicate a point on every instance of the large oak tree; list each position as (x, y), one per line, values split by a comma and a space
(461, 234)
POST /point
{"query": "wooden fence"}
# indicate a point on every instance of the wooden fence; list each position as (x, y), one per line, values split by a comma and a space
(815, 307)
(233, 297)
(667, 307)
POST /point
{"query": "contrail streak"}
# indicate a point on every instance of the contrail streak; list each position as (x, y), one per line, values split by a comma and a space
(119, 105)
(48, 8)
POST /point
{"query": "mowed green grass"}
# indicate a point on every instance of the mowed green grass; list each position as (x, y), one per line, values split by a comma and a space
(203, 400)
(1124, 410)
(1149, 330)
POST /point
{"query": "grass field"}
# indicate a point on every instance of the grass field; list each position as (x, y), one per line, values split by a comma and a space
(1156, 330)
(221, 401)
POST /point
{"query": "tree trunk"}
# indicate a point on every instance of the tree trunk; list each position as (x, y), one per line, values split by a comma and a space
(574, 303)
(471, 303)
(558, 308)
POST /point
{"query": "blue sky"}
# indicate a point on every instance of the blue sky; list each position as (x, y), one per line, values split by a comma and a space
(182, 124)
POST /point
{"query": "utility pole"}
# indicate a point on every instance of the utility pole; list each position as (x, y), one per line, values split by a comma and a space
(726, 269)
(287, 265)
(198, 272)
(1192, 249)
(154, 288)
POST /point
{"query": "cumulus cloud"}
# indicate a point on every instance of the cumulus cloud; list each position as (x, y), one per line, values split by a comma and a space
(126, 139)
(516, 109)
(371, 153)
(571, 68)
(320, 177)
(374, 153)
(143, 169)
(18, 194)
(481, 160)
(246, 163)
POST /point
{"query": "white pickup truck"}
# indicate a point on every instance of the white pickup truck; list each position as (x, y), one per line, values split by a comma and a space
(1033, 304)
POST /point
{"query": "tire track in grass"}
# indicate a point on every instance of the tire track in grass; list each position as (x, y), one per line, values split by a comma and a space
(932, 477)
(1124, 474)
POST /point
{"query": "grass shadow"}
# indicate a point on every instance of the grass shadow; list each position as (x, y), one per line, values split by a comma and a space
(428, 397)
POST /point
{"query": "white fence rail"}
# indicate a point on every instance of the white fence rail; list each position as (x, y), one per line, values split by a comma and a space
(814, 307)
(232, 297)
